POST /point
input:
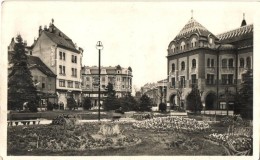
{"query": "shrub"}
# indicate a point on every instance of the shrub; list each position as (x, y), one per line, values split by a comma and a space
(145, 103)
(162, 107)
(32, 106)
(87, 103)
(71, 103)
(50, 106)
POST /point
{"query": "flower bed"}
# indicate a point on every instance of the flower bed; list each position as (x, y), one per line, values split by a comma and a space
(234, 145)
(173, 123)
(58, 138)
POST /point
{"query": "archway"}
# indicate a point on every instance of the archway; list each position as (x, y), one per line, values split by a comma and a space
(172, 99)
(211, 101)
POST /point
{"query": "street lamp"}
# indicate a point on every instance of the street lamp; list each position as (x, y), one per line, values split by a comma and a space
(99, 46)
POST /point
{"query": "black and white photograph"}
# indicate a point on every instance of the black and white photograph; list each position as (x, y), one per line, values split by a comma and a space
(114, 78)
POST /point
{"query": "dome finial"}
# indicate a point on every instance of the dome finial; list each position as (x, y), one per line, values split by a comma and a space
(192, 14)
(243, 21)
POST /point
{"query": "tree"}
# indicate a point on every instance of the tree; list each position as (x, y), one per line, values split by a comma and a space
(87, 103)
(111, 102)
(194, 100)
(145, 103)
(244, 98)
(71, 103)
(128, 103)
(20, 84)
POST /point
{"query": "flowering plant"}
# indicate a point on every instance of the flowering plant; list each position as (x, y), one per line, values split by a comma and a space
(173, 123)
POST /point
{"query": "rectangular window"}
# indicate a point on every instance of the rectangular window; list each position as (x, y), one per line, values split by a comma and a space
(60, 55)
(123, 86)
(75, 59)
(62, 83)
(76, 84)
(182, 79)
(75, 72)
(43, 85)
(103, 79)
(64, 70)
(72, 58)
(70, 84)
(72, 72)
(210, 78)
(49, 87)
(230, 63)
(193, 79)
(87, 79)
(224, 79)
(64, 56)
(173, 82)
(224, 63)
(222, 105)
(60, 67)
(230, 79)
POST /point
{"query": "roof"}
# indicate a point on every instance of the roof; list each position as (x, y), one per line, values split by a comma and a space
(193, 27)
(236, 33)
(60, 38)
(35, 62)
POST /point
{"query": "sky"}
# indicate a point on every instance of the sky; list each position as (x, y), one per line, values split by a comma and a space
(135, 34)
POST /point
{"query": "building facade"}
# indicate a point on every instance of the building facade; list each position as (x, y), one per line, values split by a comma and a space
(120, 77)
(63, 58)
(213, 63)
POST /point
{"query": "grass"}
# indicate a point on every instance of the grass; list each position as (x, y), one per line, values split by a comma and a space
(153, 144)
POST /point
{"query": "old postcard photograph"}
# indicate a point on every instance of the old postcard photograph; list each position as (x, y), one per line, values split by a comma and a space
(108, 79)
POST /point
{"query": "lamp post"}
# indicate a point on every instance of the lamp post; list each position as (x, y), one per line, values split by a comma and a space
(99, 46)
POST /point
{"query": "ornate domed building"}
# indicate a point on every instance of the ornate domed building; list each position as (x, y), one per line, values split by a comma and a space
(213, 63)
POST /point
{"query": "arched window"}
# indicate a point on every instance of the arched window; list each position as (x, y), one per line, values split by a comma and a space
(242, 62)
(182, 45)
(248, 62)
(173, 67)
(224, 63)
(230, 63)
(208, 62)
(182, 65)
(173, 48)
(212, 62)
(193, 42)
(194, 63)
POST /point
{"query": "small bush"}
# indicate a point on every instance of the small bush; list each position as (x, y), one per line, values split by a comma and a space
(50, 106)
(87, 103)
(162, 107)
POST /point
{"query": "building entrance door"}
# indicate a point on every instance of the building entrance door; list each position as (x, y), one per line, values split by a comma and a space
(211, 101)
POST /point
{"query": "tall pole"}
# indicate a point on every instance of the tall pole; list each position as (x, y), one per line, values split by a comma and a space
(99, 46)
(99, 84)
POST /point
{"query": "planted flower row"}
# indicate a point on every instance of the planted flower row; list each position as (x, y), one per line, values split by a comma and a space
(173, 123)
(234, 143)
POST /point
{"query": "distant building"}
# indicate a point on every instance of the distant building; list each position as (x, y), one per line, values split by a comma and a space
(213, 63)
(120, 77)
(156, 91)
(63, 58)
(44, 79)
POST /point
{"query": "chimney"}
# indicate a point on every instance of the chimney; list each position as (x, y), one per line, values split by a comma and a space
(50, 28)
(40, 30)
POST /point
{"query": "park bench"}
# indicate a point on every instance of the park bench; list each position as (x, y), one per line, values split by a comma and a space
(24, 122)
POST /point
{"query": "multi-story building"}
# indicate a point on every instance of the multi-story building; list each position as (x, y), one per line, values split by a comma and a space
(63, 58)
(155, 91)
(213, 63)
(120, 77)
(44, 79)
